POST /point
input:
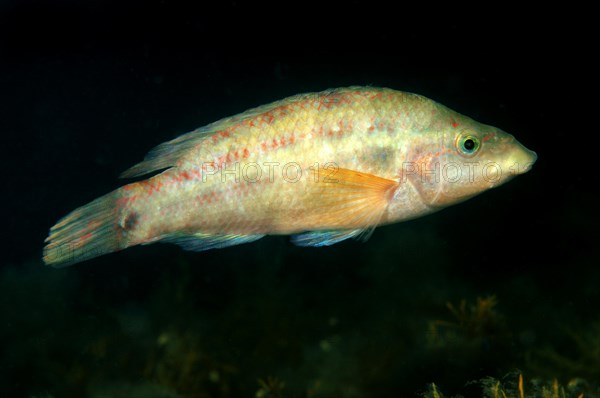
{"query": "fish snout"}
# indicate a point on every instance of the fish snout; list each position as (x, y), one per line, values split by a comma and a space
(520, 158)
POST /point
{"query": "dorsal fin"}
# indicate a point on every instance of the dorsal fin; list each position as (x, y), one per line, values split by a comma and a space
(167, 154)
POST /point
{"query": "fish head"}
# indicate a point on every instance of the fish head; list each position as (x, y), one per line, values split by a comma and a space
(459, 163)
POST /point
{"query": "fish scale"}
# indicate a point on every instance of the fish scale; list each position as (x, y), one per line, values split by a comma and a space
(322, 167)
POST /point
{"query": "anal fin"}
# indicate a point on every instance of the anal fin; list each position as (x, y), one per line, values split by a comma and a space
(203, 241)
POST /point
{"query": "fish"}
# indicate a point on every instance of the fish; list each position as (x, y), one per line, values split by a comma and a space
(322, 167)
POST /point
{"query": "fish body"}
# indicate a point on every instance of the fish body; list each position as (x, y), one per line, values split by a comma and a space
(322, 167)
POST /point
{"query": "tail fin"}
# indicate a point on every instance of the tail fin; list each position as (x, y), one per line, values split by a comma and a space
(85, 233)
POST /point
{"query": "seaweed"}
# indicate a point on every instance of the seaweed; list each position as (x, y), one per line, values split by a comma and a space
(271, 387)
(514, 386)
(582, 360)
(475, 322)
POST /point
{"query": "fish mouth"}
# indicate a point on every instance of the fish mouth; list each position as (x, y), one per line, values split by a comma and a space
(521, 159)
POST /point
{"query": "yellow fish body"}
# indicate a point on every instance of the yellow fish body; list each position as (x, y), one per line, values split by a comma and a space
(323, 167)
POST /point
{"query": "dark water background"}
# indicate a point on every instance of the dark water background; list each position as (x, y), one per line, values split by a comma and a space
(87, 88)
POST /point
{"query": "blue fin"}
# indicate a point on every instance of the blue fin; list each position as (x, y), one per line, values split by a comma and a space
(201, 241)
(328, 238)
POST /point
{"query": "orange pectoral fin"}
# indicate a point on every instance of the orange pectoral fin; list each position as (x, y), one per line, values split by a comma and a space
(349, 199)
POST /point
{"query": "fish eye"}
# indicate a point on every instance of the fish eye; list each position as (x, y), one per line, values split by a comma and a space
(467, 144)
